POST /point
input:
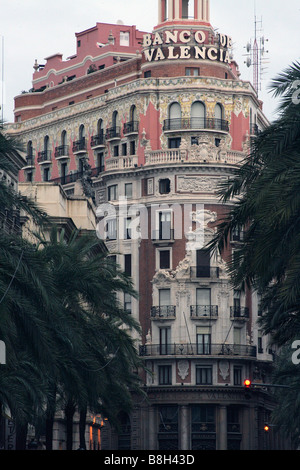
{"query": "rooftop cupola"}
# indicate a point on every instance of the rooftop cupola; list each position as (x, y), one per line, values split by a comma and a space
(183, 11)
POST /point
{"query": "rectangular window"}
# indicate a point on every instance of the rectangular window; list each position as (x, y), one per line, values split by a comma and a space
(128, 190)
(124, 38)
(203, 297)
(164, 259)
(29, 177)
(164, 297)
(127, 234)
(127, 264)
(147, 74)
(203, 263)
(165, 375)
(203, 340)
(127, 303)
(116, 151)
(237, 336)
(132, 147)
(111, 229)
(164, 341)
(124, 149)
(192, 72)
(237, 376)
(113, 192)
(100, 162)
(237, 302)
(165, 225)
(174, 143)
(46, 174)
(203, 375)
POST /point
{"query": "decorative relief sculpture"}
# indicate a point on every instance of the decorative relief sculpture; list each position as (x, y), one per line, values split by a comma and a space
(183, 369)
(198, 184)
(224, 369)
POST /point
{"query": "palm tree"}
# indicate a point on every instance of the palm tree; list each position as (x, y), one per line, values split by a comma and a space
(265, 198)
(68, 338)
(265, 195)
(92, 330)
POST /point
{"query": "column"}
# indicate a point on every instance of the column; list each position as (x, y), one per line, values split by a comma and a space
(184, 428)
(170, 10)
(160, 3)
(177, 10)
(222, 428)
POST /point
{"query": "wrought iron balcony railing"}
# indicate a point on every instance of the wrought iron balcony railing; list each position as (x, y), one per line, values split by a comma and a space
(186, 124)
(61, 151)
(204, 311)
(98, 140)
(165, 312)
(197, 349)
(131, 127)
(239, 313)
(44, 156)
(79, 145)
(113, 133)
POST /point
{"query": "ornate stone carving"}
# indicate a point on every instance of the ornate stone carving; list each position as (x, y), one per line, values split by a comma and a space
(183, 369)
(224, 369)
(198, 184)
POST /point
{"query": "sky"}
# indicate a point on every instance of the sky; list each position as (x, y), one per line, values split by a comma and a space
(35, 29)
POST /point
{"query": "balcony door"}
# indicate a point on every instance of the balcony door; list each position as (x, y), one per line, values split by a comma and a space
(165, 225)
(198, 115)
(202, 263)
(203, 340)
(164, 341)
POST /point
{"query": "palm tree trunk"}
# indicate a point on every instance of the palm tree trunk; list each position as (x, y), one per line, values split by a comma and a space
(69, 412)
(82, 426)
(50, 413)
(49, 430)
(21, 436)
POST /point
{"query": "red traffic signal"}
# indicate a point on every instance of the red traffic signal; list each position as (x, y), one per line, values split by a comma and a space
(247, 383)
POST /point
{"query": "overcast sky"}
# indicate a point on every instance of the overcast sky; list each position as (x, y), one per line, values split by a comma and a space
(35, 29)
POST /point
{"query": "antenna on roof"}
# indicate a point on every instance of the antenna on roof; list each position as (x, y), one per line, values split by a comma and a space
(256, 53)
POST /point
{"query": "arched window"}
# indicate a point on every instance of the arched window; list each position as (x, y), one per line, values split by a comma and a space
(81, 132)
(64, 138)
(115, 119)
(29, 149)
(133, 113)
(218, 116)
(46, 144)
(174, 116)
(198, 115)
(100, 127)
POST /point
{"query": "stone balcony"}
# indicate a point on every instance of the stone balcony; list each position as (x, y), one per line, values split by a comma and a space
(121, 163)
(194, 154)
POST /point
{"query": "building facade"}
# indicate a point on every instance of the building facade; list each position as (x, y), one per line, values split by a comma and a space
(148, 125)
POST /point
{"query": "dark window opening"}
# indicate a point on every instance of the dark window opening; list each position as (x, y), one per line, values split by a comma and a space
(174, 143)
(164, 186)
(164, 259)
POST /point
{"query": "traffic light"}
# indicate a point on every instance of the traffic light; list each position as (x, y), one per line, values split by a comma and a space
(247, 387)
(266, 428)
